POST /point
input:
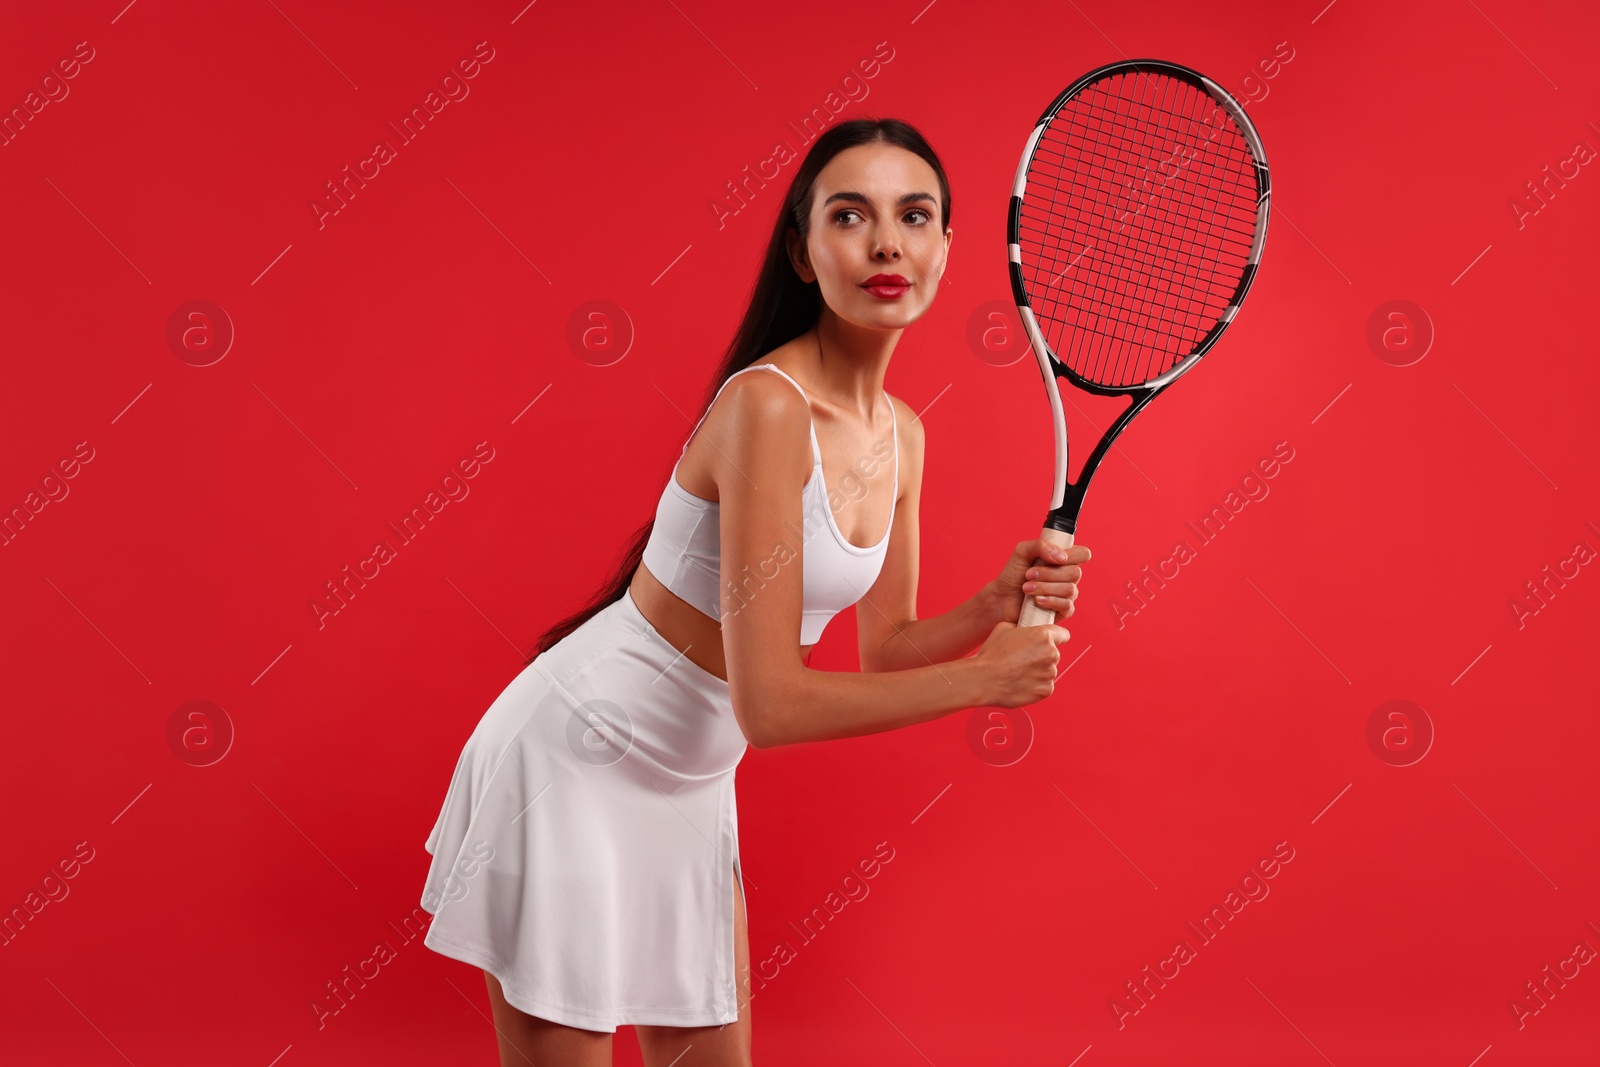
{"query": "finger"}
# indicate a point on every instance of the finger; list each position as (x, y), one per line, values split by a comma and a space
(1045, 587)
(1053, 574)
(1050, 552)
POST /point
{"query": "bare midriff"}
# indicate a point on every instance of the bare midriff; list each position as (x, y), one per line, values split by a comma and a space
(685, 627)
(693, 632)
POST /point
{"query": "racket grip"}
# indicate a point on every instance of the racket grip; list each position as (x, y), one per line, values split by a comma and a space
(1032, 614)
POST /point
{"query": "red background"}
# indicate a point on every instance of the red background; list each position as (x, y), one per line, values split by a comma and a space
(1229, 714)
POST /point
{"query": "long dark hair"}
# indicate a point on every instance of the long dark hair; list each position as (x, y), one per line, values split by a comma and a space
(781, 308)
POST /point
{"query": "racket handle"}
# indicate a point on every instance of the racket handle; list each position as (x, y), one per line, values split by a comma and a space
(1032, 613)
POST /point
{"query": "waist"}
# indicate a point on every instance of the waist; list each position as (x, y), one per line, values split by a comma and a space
(695, 635)
(661, 717)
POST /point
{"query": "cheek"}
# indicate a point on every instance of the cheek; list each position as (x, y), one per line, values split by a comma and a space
(926, 250)
(836, 264)
(836, 251)
(933, 258)
(827, 256)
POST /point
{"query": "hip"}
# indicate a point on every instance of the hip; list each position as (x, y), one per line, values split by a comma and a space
(616, 693)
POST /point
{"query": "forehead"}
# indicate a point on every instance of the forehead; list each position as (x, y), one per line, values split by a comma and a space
(880, 172)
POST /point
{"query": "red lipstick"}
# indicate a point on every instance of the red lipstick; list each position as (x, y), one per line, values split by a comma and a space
(887, 286)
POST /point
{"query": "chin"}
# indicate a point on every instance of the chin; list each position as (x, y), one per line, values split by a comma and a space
(869, 313)
(883, 320)
(897, 318)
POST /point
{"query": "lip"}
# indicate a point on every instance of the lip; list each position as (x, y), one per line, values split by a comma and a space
(887, 286)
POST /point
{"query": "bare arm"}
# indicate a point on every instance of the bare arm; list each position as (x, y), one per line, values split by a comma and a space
(890, 635)
(761, 469)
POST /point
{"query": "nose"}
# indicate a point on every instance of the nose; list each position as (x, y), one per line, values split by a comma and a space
(886, 242)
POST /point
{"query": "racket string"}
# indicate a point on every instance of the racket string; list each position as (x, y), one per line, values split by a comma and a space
(1165, 267)
(1124, 270)
(1178, 255)
(1212, 175)
(1111, 277)
(1203, 164)
(1185, 308)
(1144, 220)
(1190, 238)
(1189, 300)
(1194, 296)
(1217, 203)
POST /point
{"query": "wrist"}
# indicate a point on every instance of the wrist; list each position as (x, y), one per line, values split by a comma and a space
(972, 683)
(991, 604)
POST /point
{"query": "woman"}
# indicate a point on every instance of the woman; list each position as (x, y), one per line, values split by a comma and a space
(586, 855)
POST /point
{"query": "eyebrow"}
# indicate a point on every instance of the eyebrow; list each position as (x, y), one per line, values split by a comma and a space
(907, 198)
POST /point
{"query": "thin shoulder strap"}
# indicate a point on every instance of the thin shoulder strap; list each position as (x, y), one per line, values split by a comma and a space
(894, 424)
(707, 411)
(816, 450)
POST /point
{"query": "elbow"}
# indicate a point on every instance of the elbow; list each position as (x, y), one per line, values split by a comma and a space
(759, 737)
(874, 659)
(760, 729)
(762, 713)
(751, 727)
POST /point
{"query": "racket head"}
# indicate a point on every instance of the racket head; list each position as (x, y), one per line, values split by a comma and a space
(1138, 217)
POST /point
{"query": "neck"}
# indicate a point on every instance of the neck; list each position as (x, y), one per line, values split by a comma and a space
(851, 361)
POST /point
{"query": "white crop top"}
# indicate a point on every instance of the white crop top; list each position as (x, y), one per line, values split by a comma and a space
(685, 547)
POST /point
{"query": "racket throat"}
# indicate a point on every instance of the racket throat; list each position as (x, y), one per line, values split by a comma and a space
(1064, 516)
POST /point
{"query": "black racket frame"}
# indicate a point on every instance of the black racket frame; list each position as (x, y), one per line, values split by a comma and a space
(1064, 510)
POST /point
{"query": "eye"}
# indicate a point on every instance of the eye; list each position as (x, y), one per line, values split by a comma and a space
(839, 215)
(926, 217)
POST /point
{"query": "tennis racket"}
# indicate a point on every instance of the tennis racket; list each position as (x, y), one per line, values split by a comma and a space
(1137, 220)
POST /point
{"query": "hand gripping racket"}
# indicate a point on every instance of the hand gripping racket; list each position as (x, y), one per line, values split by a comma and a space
(1137, 221)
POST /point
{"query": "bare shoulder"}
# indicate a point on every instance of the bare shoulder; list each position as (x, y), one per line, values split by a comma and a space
(907, 424)
(765, 422)
(762, 395)
(912, 437)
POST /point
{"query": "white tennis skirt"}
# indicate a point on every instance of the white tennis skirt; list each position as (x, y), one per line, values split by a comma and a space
(586, 849)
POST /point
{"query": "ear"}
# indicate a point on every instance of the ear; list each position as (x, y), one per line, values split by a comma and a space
(799, 257)
(949, 233)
